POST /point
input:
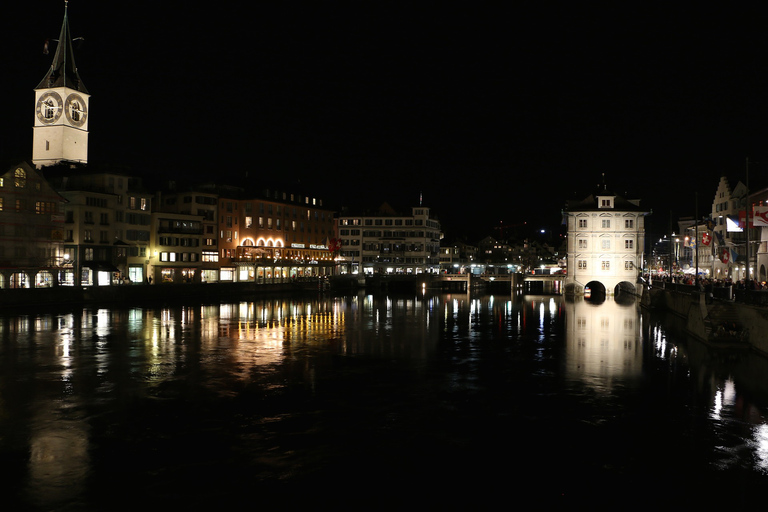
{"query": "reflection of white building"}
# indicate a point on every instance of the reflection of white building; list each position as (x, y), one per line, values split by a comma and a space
(603, 342)
(606, 236)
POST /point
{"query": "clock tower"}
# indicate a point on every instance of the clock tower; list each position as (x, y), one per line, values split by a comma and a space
(61, 109)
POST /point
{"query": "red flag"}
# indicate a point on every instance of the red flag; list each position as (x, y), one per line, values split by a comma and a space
(760, 216)
(725, 255)
(706, 238)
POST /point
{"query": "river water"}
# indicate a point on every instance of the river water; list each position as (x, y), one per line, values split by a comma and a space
(373, 402)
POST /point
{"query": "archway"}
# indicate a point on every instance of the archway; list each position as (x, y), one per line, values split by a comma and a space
(19, 280)
(594, 291)
(624, 288)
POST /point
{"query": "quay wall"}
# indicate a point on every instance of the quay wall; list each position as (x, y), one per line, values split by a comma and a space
(11, 299)
(697, 311)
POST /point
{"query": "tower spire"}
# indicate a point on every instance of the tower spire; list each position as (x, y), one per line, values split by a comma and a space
(63, 71)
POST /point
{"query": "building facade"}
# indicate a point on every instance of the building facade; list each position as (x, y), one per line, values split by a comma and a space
(605, 241)
(32, 250)
(389, 242)
(273, 236)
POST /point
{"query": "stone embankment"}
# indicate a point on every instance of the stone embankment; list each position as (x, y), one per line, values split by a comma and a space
(143, 294)
(720, 322)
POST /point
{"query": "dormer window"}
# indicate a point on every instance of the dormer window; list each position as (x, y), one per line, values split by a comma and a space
(605, 201)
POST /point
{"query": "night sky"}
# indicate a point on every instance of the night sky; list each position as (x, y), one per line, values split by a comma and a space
(490, 114)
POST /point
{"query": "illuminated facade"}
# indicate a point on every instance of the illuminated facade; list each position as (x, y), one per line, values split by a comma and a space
(176, 248)
(61, 109)
(204, 206)
(386, 242)
(107, 226)
(273, 237)
(728, 236)
(606, 237)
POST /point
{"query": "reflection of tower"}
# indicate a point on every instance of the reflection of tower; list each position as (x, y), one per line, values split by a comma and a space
(61, 109)
(603, 343)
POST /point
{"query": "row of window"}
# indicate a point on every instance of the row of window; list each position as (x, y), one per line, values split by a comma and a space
(138, 219)
(41, 207)
(605, 244)
(178, 256)
(606, 223)
(173, 241)
(319, 215)
(388, 222)
(604, 265)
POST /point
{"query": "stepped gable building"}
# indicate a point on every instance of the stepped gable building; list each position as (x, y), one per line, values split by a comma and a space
(389, 242)
(606, 237)
(31, 229)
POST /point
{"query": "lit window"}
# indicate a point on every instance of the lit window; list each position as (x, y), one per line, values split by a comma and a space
(20, 178)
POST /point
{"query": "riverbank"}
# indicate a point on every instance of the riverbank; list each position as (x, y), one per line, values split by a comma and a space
(13, 299)
(720, 323)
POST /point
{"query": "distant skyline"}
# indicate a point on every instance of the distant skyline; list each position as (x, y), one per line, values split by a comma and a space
(490, 115)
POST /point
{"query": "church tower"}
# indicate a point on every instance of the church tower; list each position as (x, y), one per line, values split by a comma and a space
(61, 109)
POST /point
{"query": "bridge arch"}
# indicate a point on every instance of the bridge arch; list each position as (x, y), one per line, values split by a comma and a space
(624, 287)
(594, 290)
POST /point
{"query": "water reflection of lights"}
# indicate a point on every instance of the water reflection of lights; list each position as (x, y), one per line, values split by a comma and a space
(724, 397)
(760, 434)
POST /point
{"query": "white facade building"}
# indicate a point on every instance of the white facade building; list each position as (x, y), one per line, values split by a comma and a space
(606, 237)
(389, 242)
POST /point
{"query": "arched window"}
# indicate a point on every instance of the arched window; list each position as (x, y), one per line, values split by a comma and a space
(20, 178)
(49, 110)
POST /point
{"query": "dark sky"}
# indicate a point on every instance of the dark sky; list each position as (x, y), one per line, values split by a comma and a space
(492, 114)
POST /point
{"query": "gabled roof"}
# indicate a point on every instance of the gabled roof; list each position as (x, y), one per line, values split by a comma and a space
(63, 72)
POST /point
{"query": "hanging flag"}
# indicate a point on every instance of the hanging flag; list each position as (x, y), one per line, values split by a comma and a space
(719, 237)
(725, 255)
(706, 238)
(760, 216)
(710, 224)
(743, 220)
(734, 255)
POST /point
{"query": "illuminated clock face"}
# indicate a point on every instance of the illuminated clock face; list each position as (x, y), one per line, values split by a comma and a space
(75, 109)
(49, 107)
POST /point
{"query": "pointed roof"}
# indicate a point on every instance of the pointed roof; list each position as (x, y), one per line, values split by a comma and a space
(63, 72)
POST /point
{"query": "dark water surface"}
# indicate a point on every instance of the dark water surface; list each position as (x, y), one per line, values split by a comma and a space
(371, 402)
